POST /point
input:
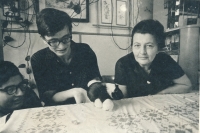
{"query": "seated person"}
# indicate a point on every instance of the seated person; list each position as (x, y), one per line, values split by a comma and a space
(63, 69)
(15, 92)
(146, 71)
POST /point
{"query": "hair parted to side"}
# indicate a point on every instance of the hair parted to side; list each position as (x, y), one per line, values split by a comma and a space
(50, 21)
(8, 70)
(152, 27)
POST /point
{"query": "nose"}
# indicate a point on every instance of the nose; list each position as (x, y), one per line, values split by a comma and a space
(62, 45)
(143, 50)
(19, 92)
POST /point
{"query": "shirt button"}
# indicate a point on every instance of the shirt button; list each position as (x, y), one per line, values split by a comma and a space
(70, 72)
(72, 84)
(148, 82)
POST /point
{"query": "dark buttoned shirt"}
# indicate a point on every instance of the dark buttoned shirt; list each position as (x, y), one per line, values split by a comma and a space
(139, 83)
(52, 75)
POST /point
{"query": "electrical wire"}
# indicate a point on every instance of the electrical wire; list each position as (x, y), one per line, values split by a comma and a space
(29, 44)
(28, 53)
(19, 45)
(78, 14)
(81, 11)
(26, 8)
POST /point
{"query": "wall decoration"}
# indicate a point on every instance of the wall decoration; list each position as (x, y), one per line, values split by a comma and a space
(106, 11)
(121, 12)
(77, 9)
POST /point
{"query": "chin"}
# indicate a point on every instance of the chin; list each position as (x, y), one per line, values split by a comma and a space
(17, 106)
(61, 53)
(143, 63)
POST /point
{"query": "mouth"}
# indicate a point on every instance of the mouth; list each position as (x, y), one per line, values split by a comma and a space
(18, 100)
(62, 50)
(143, 58)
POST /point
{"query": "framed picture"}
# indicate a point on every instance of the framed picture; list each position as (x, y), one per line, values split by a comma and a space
(121, 12)
(106, 11)
(78, 10)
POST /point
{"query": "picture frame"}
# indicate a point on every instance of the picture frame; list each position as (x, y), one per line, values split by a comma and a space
(78, 10)
(121, 12)
(106, 11)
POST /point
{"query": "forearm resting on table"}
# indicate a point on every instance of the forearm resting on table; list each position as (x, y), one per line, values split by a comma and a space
(62, 96)
(79, 94)
(181, 85)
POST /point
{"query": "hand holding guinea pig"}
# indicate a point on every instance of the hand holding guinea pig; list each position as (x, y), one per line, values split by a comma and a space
(98, 92)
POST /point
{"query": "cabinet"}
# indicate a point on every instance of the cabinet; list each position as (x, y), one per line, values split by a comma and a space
(187, 50)
(1, 44)
(182, 12)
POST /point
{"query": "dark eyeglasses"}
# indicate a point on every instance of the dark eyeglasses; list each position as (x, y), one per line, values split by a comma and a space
(55, 42)
(10, 90)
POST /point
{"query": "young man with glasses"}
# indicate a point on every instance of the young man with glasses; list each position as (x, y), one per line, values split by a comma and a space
(15, 91)
(63, 69)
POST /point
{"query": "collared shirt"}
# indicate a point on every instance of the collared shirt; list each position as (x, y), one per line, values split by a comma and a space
(139, 83)
(52, 75)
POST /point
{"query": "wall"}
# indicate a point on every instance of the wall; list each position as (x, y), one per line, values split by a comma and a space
(99, 39)
(159, 13)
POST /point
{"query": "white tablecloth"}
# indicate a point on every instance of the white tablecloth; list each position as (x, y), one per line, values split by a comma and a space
(172, 113)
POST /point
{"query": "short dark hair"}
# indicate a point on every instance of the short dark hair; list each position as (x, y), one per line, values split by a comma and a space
(8, 70)
(50, 21)
(152, 27)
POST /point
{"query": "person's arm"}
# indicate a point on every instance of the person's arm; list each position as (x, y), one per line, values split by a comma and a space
(43, 81)
(93, 69)
(79, 94)
(111, 88)
(181, 85)
(120, 79)
(174, 72)
(123, 88)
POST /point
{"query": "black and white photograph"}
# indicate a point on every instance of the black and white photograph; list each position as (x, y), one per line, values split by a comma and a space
(99, 66)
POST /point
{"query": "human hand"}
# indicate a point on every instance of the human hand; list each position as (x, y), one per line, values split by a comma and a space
(79, 94)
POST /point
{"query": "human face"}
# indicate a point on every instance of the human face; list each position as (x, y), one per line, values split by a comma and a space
(11, 102)
(62, 48)
(144, 48)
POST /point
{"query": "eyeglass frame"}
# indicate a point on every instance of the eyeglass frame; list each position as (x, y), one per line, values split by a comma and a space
(59, 40)
(16, 87)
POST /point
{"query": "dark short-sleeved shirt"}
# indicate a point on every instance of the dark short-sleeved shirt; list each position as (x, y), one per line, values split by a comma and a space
(52, 75)
(163, 71)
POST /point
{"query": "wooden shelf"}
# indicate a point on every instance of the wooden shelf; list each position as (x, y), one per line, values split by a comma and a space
(113, 27)
(183, 27)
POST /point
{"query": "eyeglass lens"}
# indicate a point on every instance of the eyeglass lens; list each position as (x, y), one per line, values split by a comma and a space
(56, 42)
(13, 89)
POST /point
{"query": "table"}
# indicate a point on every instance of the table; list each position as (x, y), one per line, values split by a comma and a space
(171, 113)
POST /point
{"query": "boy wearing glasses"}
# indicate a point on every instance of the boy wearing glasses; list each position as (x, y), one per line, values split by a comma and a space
(63, 69)
(15, 92)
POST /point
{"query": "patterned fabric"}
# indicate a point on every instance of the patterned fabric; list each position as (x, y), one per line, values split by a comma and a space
(163, 71)
(53, 76)
(172, 113)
